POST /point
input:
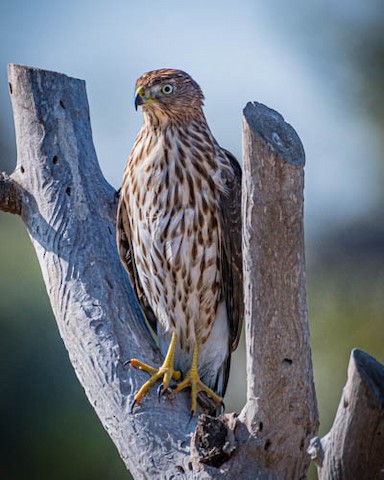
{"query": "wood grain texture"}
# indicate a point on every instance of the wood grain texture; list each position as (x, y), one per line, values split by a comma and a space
(281, 405)
(354, 447)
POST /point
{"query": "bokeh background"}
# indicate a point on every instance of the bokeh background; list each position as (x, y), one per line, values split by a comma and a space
(319, 63)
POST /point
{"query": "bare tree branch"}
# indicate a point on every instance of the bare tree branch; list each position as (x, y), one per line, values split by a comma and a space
(354, 447)
(281, 405)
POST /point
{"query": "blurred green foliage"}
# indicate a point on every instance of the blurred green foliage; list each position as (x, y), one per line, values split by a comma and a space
(346, 305)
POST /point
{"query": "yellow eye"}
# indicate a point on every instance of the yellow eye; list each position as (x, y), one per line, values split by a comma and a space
(167, 89)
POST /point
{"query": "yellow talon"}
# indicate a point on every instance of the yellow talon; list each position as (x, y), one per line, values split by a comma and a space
(192, 380)
(142, 366)
(166, 372)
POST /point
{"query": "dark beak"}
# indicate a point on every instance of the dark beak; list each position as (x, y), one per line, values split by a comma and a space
(139, 100)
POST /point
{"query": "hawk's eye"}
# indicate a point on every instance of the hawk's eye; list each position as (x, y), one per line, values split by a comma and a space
(167, 89)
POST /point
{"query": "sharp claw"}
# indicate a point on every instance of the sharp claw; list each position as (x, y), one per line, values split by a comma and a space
(191, 416)
(160, 391)
(223, 405)
(128, 362)
(132, 405)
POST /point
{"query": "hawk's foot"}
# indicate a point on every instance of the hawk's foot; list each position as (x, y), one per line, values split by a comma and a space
(192, 380)
(166, 372)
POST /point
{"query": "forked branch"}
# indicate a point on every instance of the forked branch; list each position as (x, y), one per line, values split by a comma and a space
(69, 209)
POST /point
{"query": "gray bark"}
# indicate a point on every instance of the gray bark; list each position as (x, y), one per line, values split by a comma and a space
(69, 211)
(354, 447)
(281, 407)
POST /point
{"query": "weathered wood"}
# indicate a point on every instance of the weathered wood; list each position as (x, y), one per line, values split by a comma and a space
(281, 405)
(69, 210)
(354, 447)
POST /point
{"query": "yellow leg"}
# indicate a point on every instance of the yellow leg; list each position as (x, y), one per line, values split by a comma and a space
(192, 380)
(166, 372)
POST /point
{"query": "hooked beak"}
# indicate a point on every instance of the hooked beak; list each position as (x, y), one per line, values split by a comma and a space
(142, 97)
(139, 99)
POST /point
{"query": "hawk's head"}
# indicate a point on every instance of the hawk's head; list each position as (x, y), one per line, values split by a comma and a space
(168, 92)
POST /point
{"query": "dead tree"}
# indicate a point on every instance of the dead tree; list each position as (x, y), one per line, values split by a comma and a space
(69, 210)
(354, 447)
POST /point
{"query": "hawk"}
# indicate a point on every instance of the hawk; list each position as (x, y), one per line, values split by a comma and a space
(179, 237)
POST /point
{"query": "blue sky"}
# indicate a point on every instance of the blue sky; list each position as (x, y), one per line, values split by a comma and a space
(282, 55)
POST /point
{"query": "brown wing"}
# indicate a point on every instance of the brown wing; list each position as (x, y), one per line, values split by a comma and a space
(124, 244)
(231, 257)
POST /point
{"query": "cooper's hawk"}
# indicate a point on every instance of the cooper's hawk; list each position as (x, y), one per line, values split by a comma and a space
(179, 236)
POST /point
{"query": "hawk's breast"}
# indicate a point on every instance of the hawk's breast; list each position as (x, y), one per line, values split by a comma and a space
(175, 238)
